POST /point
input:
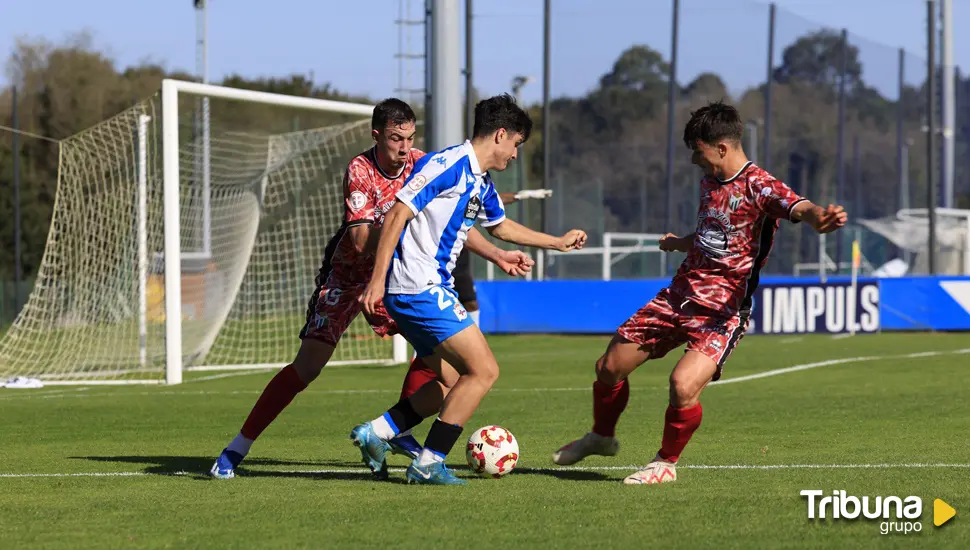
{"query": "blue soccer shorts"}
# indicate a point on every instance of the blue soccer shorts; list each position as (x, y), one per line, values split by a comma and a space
(429, 318)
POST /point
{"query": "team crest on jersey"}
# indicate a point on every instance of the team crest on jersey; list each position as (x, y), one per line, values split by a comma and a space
(714, 231)
(357, 200)
(735, 201)
(471, 210)
(417, 182)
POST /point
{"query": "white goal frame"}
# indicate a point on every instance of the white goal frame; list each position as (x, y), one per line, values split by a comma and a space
(171, 91)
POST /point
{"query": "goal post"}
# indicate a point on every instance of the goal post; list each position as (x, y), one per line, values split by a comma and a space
(160, 261)
(171, 91)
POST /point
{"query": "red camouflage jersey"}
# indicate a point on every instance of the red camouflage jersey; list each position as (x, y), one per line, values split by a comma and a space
(736, 225)
(368, 195)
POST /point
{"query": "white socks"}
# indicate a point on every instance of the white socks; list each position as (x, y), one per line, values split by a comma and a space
(382, 428)
(240, 445)
(428, 457)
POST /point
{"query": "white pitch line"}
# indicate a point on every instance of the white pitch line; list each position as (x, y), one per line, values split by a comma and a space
(224, 375)
(330, 471)
(756, 376)
(843, 361)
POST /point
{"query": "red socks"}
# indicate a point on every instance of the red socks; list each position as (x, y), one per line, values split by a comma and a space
(281, 390)
(417, 376)
(679, 426)
(278, 394)
(608, 404)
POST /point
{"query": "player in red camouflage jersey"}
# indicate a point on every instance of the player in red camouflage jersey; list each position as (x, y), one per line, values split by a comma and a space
(708, 303)
(371, 182)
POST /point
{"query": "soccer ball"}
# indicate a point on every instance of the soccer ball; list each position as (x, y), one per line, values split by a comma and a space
(492, 451)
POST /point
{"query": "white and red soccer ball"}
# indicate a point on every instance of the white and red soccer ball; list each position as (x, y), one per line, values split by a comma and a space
(492, 451)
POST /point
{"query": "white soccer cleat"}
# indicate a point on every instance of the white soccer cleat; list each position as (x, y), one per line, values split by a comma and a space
(589, 444)
(658, 471)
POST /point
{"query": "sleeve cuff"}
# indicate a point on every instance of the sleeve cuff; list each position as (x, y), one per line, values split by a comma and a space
(791, 208)
(493, 222)
(411, 207)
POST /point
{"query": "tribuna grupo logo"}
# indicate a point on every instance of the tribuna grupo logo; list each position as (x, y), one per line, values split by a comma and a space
(898, 514)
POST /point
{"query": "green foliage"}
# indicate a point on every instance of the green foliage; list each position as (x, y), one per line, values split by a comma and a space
(609, 143)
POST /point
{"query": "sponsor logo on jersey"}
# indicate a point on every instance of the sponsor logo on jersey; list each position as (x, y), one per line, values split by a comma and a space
(714, 231)
(472, 209)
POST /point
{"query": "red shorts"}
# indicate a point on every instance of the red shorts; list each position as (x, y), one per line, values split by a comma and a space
(331, 310)
(668, 321)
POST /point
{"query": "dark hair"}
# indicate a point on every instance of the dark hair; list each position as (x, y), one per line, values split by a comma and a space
(501, 111)
(714, 122)
(391, 111)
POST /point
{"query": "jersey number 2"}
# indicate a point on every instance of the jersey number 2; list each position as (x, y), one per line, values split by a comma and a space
(442, 301)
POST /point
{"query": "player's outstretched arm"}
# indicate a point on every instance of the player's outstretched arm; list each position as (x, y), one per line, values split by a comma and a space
(394, 223)
(824, 220)
(513, 262)
(513, 232)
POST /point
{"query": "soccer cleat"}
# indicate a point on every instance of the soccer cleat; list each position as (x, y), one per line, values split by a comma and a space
(658, 471)
(405, 445)
(432, 474)
(589, 444)
(373, 450)
(225, 466)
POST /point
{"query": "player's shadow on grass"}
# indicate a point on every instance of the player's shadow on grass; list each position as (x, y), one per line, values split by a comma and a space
(181, 465)
(327, 475)
(570, 475)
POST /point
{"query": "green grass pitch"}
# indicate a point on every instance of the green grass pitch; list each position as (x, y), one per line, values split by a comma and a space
(876, 417)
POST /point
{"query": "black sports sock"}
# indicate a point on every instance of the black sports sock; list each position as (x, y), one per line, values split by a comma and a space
(403, 415)
(442, 437)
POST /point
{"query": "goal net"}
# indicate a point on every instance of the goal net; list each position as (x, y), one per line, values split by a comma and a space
(214, 206)
(908, 230)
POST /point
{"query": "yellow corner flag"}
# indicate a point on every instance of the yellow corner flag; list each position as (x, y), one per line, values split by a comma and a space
(942, 512)
(856, 254)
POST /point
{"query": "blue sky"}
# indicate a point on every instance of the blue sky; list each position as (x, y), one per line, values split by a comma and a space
(353, 44)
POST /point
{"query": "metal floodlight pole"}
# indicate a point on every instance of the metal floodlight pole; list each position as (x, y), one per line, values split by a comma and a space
(18, 260)
(469, 75)
(546, 107)
(769, 84)
(931, 131)
(518, 83)
(671, 114)
(445, 75)
(949, 93)
(840, 154)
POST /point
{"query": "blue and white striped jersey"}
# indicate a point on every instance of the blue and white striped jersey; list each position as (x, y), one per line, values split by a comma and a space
(448, 192)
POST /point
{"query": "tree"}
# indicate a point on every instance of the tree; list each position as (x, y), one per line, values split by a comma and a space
(816, 59)
(705, 88)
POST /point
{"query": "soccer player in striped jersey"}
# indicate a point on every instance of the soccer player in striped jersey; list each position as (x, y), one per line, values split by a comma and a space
(423, 235)
(371, 181)
(708, 303)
